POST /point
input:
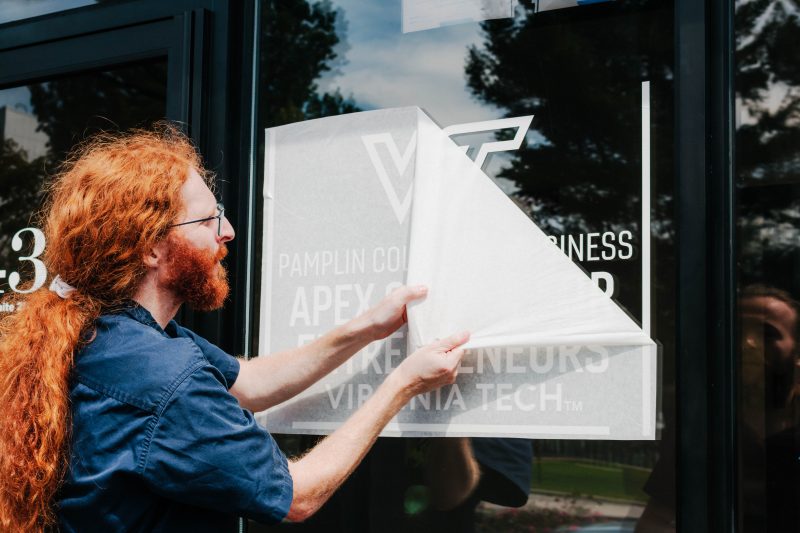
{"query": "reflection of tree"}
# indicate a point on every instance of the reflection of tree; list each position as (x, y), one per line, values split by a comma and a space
(300, 41)
(768, 87)
(768, 137)
(70, 109)
(20, 192)
(585, 147)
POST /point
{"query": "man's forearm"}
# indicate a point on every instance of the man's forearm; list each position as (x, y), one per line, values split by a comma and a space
(451, 471)
(317, 475)
(269, 380)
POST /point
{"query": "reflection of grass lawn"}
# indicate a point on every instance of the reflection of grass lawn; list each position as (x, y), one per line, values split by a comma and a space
(585, 478)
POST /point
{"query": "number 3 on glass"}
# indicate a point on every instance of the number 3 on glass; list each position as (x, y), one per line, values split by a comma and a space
(40, 271)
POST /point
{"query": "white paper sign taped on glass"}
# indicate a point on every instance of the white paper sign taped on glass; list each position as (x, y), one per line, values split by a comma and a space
(547, 5)
(421, 15)
(338, 208)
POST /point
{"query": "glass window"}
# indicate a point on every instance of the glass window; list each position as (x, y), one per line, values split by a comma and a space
(585, 74)
(11, 10)
(768, 217)
(39, 124)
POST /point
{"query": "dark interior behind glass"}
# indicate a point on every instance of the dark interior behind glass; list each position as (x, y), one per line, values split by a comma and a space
(39, 123)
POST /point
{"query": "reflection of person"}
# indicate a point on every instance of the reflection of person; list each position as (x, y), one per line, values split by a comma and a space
(769, 320)
(769, 351)
(462, 472)
(497, 470)
(113, 416)
(768, 433)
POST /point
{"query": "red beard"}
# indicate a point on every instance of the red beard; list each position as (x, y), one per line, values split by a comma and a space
(196, 276)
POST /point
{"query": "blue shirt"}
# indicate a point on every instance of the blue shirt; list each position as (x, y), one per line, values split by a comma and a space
(158, 443)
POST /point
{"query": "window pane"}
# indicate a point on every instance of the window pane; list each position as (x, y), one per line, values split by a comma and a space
(39, 124)
(768, 185)
(22, 9)
(581, 72)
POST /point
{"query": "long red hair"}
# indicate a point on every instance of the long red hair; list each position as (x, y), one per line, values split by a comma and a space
(113, 200)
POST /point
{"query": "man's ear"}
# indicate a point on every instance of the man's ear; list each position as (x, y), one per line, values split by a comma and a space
(156, 256)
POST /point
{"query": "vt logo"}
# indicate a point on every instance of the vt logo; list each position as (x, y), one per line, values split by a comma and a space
(482, 151)
(400, 161)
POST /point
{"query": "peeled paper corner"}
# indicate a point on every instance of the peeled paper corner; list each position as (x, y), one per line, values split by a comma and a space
(490, 269)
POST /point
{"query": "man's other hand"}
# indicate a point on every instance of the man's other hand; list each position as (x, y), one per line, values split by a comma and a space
(390, 313)
(317, 475)
(434, 365)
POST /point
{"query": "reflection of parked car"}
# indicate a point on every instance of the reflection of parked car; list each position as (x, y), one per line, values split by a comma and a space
(617, 526)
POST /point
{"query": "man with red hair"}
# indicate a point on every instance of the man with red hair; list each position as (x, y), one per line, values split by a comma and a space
(116, 418)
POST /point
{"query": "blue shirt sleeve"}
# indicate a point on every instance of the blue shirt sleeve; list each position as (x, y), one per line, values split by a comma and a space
(203, 449)
(227, 364)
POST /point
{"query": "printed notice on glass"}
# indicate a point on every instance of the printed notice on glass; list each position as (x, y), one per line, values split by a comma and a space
(357, 205)
(548, 5)
(421, 15)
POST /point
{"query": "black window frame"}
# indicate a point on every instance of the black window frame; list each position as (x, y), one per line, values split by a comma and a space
(706, 357)
(207, 44)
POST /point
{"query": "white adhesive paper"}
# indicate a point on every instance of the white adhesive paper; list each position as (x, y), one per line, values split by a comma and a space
(356, 205)
(491, 270)
(421, 15)
(547, 5)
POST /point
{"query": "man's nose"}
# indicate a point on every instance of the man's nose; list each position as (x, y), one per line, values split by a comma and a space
(226, 233)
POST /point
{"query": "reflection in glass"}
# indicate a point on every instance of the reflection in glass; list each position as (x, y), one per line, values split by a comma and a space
(39, 124)
(579, 72)
(768, 219)
(22, 9)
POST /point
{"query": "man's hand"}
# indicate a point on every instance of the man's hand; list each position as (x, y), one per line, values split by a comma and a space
(432, 366)
(390, 313)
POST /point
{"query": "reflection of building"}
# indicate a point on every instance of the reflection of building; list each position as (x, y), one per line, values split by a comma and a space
(21, 128)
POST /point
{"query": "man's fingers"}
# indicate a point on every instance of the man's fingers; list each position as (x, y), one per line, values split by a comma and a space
(453, 341)
(409, 293)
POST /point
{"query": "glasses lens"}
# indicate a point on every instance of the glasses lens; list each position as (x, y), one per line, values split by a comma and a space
(221, 209)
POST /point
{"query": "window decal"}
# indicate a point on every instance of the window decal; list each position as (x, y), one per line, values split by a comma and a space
(358, 204)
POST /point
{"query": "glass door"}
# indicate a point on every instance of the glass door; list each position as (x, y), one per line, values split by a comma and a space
(594, 171)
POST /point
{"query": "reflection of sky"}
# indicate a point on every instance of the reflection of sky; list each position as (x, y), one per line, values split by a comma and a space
(382, 67)
(21, 9)
(16, 96)
(386, 68)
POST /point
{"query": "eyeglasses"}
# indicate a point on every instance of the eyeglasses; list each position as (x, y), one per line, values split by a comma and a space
(220, 208)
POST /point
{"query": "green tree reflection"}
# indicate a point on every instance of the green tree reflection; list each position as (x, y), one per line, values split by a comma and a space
(768, 140)
(301, 44)
(72, 108)
(584, 151)
(68, 110)
(20, 190)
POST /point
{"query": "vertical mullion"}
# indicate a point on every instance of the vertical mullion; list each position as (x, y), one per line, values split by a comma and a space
(691, 354)
(722, 283)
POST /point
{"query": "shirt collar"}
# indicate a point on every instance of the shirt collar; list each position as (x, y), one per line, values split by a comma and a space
(135, 311)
